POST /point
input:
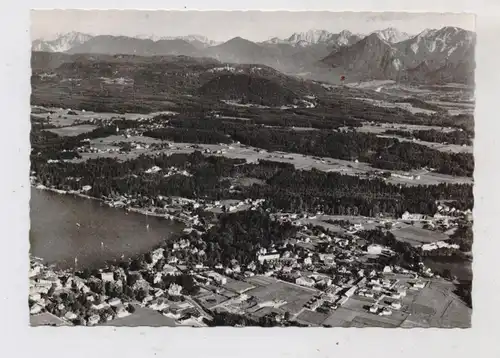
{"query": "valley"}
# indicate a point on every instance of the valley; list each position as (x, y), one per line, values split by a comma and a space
(303, 201)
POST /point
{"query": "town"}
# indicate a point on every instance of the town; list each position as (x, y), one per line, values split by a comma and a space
(331, 271)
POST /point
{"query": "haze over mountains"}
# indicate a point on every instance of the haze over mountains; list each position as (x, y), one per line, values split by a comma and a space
(445, 55)
(62, 43)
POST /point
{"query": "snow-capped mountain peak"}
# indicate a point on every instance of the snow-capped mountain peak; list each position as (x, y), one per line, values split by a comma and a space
(192, 38)
(392, 35)
(315, 37)
(275, 40)
(62, 42)
(188, 38)
(343, 37)
(310, 37)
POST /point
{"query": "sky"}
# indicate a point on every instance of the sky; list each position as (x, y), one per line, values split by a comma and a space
(224, 25)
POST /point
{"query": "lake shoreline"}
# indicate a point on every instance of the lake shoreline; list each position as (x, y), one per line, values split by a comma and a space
(142, 211)
(65, 229)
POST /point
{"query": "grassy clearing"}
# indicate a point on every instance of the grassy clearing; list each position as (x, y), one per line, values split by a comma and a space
(142, 317)
(73, 130)
(294, 295)
(418, 236)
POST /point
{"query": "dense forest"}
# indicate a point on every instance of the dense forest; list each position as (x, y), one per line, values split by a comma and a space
(285, 188)
(463, 236)
(238, 236)
(385, 153)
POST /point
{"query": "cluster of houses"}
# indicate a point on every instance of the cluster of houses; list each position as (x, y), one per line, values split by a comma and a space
(389, 295)
(406, 176)
(71, 298)
(169, 172)
(333, 265)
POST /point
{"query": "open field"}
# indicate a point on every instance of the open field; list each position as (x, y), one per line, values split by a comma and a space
(61, 117)
(47, 319)
(295, 296)
(436, 306)
(237, 286)
(142, 317)
(72, 130)
(417, 236)
(452, 148)
(115, 139)
(405, 106)
(109, 146)
(311, 317)
(449, 97)
(380, 128)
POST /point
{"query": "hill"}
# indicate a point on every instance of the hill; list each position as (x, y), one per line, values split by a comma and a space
(245, 88)
(240, 50)
(372, 56)
(63, 79)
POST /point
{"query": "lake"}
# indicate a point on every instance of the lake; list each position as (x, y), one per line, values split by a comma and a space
(462, 269)
(66, 226)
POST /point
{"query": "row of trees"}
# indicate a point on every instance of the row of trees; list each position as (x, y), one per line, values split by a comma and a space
(433, 135)
(222, 318)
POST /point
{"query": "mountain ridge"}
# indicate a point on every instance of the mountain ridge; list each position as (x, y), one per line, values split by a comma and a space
(383, 54)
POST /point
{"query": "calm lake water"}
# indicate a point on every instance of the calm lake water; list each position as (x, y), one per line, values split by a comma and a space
(461, 269)
(65, 226)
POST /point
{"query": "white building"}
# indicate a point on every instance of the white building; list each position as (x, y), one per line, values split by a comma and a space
(374, 249)
(107, 276)
(93, 320)
(305, 281)
(268, 257)
(387, 269)
(396, 305)
(386, 312)
(412, 217)
(419, 284)
(170, 270)
(351, 291)
(70, 316)
(221, 280)
(121, 312)
(174, 289)
(114, 302)
(36, 308)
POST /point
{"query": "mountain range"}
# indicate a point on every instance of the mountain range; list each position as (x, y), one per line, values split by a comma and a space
(432, 55)
(445, 54)
(61, 43)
